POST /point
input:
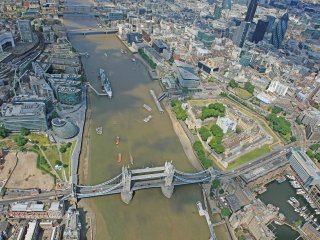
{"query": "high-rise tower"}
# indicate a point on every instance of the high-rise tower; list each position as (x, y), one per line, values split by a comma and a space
(226, 4)
(251, 10)
(261, 29)
(280, 30)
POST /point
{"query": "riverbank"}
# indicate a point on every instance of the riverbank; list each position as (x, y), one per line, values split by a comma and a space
(183, 138)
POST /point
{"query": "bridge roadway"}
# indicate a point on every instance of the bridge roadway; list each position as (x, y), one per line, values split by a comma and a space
(92, 31)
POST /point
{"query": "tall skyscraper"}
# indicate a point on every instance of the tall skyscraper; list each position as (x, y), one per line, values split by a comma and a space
(211, 2)
(25, 30)
(251, 10)
(226, 4)
(241, 34)
(217, 11)
(280, 30)
(261, 29)
(271, 20)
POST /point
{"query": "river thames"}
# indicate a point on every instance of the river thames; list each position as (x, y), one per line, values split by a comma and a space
(150, 214)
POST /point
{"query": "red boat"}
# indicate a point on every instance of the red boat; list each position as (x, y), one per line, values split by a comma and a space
(117, 140)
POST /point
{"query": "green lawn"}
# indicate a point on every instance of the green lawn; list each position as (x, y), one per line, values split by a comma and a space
(53, 155)
(258, 152)
(66, 157)
(41, 138)
(242, 93)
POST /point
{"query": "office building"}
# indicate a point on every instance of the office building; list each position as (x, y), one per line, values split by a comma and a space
(185, 75)
(33, 231)
(261, 29)
(69, 95)
(25, 30)
(277, 87)
(116, 16)
(251, 10)
(29, 115)
(307, 171)
(241, 34)
(226, 4)
(313, 132)
(210, 2)
(5, 39)
(134, 37)
(217, 11)
(271, 20)
(280, 30)
(64, 128)
(159, 45)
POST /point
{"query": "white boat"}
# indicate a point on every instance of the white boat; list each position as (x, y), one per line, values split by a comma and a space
(296, 210)
(133, 59)
(147, 119)
(105, 83)
(278, 223)
(291, 177)
(147, 107)
(99, 130)
(290, 202)
(106, 54)
(315, 219)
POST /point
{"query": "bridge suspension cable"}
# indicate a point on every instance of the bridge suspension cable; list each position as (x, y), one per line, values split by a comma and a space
(85, 195)
(101, 184)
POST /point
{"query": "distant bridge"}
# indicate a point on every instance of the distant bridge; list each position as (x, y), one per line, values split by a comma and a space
(166, 178)
(92, 31)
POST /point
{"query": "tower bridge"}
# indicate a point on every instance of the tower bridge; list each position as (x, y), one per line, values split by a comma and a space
(129, 180)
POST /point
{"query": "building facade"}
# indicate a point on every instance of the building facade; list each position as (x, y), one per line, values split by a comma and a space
(241, 34)
(260, 30)
(307, 171)
(25, 30)
(280, 30)
(251, 10)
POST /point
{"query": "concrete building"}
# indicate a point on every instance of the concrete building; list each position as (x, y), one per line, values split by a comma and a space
(25, 30)
(277, 87)
(226, 124)
(185, 75)
(5, 38)
(313, 132)
(307, 171)
(73, 225)
(33, 231)
(241, 34)
(30, 115)
(69, 95)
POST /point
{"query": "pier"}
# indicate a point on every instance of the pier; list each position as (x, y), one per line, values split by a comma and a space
(156, 101)
(99, 94)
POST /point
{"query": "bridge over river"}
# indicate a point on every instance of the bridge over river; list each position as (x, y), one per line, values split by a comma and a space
(130, 180)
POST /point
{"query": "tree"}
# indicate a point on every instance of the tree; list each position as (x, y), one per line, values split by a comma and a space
(233, 84)
(249, 87)
(58, 163)
(314, 147)
(225, 212)
(3, 132)
(215, 183)
(20, 140)
(204, 133)
(69, 144)
(63, 149)
(276, 109)
(221, 191)
(293, 139)
(317, 156)
(216, 131)
(238, 130)
(24, 131)
(310, 154)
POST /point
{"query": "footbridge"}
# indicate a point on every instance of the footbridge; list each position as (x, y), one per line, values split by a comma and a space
(130, 180)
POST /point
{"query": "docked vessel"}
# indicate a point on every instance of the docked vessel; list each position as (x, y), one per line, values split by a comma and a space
(105, 83)
(281, 179)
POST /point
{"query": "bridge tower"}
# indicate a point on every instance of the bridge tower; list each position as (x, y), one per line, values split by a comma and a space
(167, 187)
(126, 193)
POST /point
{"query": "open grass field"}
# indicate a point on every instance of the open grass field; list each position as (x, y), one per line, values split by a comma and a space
(244, 94)
(258, 152)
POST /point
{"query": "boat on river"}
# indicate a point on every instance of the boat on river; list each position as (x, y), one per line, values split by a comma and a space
(119, 157)
(99, 130)
(105, 83)
(117, 140)
(147, 119)
(131, 159)
(147, 107)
